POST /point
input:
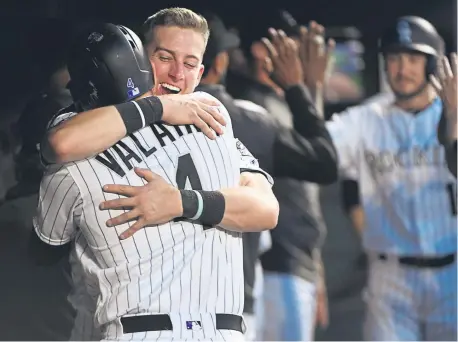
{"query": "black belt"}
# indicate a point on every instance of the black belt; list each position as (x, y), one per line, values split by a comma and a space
(133, 324)
(423, 262)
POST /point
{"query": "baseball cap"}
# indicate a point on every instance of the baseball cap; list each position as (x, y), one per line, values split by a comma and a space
(220, 40)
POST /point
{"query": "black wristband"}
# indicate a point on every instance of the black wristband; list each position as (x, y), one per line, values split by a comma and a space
(130, 116)
(204, 207)
(138, 114)
(214, 205)
(152, 109)
(190, 203)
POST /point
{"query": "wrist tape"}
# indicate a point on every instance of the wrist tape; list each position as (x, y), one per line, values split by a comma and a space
(205, 207)
(140, 113)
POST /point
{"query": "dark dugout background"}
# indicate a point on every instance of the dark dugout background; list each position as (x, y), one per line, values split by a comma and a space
(34, 34)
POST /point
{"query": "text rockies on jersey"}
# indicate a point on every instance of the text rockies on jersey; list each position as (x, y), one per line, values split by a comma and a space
(406, 189)
(178, 267)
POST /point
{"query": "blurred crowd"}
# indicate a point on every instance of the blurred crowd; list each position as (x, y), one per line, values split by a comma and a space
(305, 279)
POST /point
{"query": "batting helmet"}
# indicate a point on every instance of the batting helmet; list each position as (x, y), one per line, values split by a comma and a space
(108, 65)
(414, 34)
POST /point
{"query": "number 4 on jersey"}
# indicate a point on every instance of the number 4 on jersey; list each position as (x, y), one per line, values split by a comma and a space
(186, 171)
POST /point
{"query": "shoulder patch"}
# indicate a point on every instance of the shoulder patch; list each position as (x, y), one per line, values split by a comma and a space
(242, 149)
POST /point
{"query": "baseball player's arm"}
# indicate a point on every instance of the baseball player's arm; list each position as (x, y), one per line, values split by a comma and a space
(251, 206)
(58, 213)
(283, 151)
(445, 84)
(91, 132)
(345, 131)
(352, 205)
(248, 207)
(451, 152)
(321, 163)
(309, 155)
(302, 158)
(447, 133)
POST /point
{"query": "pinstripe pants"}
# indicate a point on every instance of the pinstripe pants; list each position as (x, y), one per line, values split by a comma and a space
(406, 303)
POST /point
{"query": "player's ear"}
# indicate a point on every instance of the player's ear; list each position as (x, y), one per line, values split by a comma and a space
(201, 71)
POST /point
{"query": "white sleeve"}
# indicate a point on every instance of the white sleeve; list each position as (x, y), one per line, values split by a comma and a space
(55, 121)
(248, 163)
(345, 130)
(59, 207)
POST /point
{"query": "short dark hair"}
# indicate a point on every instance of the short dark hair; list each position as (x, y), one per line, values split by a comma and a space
(175, 16)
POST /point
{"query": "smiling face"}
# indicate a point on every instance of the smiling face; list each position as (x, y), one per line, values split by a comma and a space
(406, 72)
(176, 55)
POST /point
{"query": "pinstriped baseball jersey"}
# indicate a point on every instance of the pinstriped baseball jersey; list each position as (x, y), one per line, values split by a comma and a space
(407, 192)
(85, 291)
(178, 267)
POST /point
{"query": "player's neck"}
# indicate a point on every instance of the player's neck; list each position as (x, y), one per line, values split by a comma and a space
(417, 103)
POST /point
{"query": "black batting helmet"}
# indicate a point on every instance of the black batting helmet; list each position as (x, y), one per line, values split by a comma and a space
(414, 34)
(108, 65)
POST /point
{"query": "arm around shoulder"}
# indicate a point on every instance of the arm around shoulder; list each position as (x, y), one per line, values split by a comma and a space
(252, 206)
(79, 136)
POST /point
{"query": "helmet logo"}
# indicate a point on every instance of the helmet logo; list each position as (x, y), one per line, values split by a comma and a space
(133, 91)
(130, 83)
(404, 32)
(95, 37)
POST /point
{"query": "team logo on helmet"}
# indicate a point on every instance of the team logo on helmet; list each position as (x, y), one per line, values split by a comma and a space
(404, 32)
(95, 37)
(130, 83)
(132, 90)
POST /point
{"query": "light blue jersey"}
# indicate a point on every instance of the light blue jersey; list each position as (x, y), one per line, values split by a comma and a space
(406, 190)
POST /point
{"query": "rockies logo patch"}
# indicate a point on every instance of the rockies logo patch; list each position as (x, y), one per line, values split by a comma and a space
(95, 37)
(242, 149)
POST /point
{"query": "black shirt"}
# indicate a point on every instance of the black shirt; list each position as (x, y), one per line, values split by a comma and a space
(31, 127)
(281, 151)
(300, 230)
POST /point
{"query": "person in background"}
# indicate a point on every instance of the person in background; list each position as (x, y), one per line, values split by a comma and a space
(33, 294)
(407, 193)
(350, 189)
(294, 291)
(284, 152)
(31, 126)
